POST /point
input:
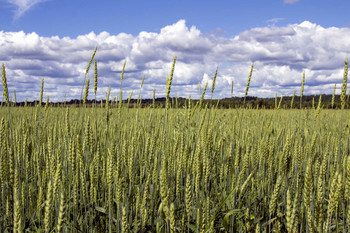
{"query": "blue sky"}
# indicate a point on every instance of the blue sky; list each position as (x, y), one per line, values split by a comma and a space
(73, 18)
(55, 38)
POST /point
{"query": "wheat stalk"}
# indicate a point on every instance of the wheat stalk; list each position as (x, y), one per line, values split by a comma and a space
(248, 83)
(213, 85)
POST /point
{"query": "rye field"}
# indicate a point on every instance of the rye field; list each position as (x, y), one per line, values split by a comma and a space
(111, 168)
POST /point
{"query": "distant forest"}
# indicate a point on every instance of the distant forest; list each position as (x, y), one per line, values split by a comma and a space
(308, 101)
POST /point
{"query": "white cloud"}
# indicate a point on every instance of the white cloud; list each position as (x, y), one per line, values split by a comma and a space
(280, 55)
(218, 31)
(23, 5)
(273, 21)
(290, 1)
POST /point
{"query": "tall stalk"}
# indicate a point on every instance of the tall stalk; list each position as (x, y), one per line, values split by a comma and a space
(248, 83)
(232, 89)
(121, 92)
(139, 98)
(6, 95)
(169, 81)
(95, 91)
(245, 94)
(302, 90)
(86, 72)
(213, 85)
(301, 98)
(342, 101)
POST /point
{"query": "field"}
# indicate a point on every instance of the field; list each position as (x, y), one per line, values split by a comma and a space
(213, 170)
(196, 169)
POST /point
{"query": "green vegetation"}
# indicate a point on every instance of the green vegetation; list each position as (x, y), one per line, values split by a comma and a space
(195, 168)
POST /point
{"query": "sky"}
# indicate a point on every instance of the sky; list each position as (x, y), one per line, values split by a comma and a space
(55, 39)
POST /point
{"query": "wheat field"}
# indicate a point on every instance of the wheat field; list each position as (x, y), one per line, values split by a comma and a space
(112, 168)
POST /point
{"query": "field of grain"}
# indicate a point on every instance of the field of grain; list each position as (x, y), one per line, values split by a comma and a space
(194, 169)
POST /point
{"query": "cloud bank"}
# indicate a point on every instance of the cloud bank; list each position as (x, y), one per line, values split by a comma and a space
(23, 5)
(280, 55)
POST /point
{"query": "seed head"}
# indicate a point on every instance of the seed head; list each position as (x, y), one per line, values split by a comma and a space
(4, 84)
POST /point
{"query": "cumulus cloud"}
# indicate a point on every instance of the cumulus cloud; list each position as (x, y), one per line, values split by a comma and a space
(23, 5)
(280, 55)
